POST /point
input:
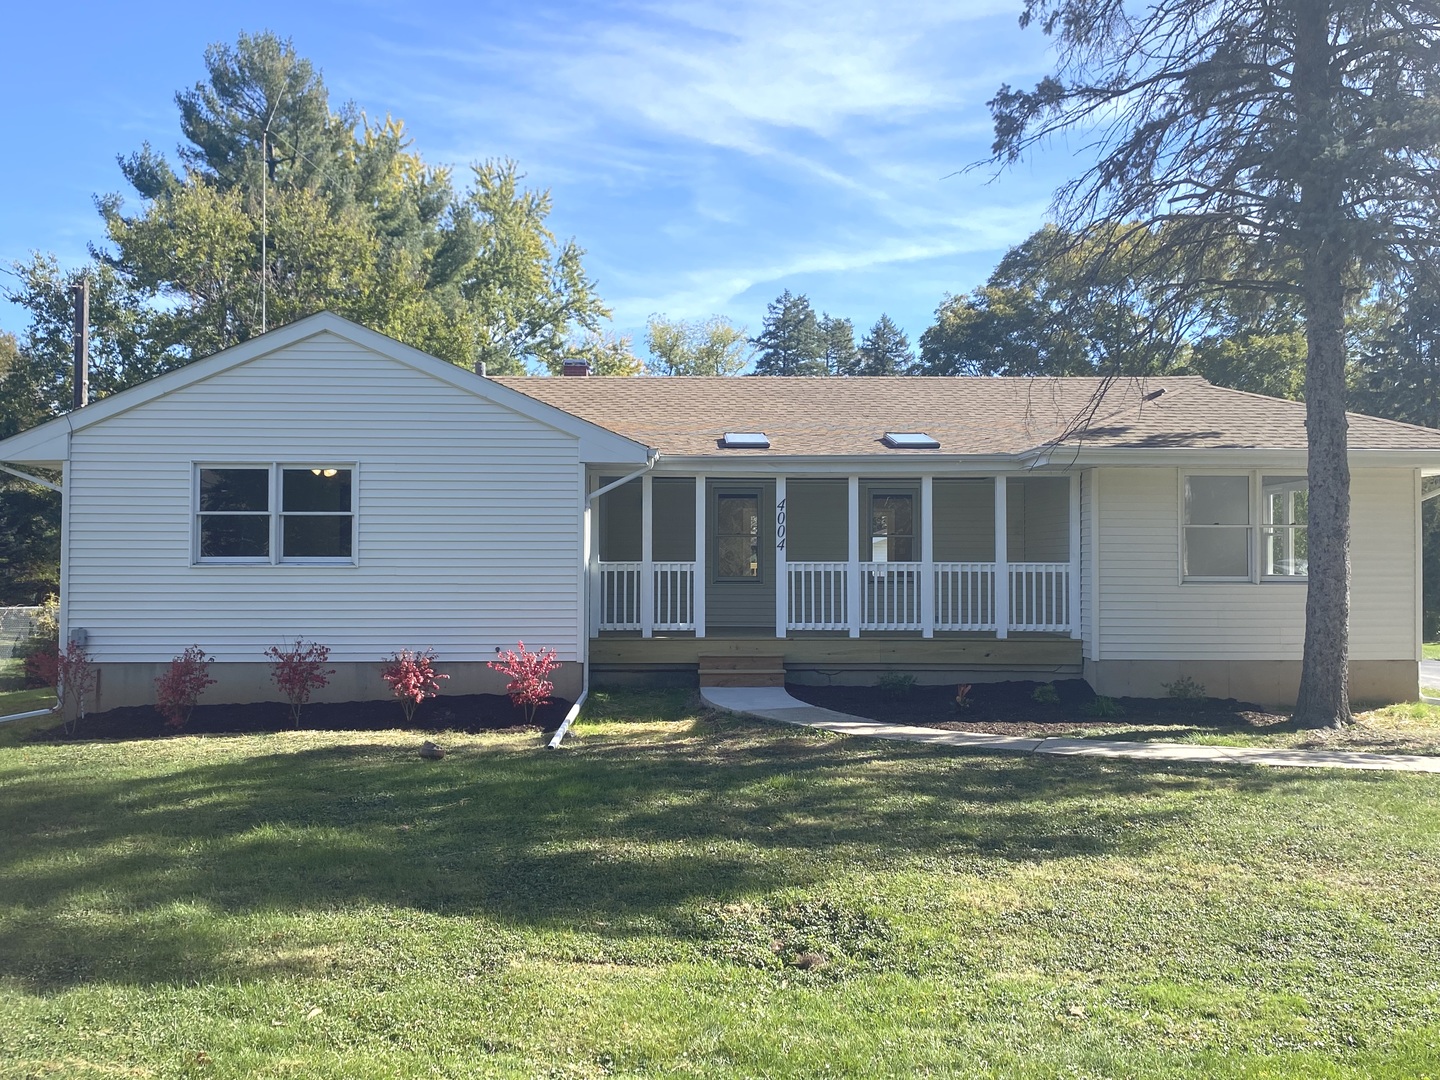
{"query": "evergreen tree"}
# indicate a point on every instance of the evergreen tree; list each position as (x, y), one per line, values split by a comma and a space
(885, 350)
(840, 356)
(790, 342)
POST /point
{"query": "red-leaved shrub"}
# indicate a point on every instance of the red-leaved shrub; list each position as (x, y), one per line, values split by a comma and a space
(528, 688)
(412, 678)
(298, 670)
(71, 674)
(179, 687)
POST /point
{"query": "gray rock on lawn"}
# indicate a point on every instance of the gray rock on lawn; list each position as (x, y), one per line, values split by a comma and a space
(431, 750)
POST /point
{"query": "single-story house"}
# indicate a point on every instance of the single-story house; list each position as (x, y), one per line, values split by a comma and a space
(325, 482)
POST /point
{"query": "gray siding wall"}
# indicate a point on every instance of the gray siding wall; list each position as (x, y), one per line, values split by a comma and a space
(965, 520)
(672, 535)
(1038, 513)
(742, 603)
(817, 521)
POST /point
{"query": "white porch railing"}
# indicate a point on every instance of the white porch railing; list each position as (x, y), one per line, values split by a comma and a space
(818, 595)
(620, 595)
(1040, 596)
(674, 595)
(964, 596)
(890, 596)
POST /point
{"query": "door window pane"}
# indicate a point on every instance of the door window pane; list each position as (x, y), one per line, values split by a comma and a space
(892, 528)
(737, 536)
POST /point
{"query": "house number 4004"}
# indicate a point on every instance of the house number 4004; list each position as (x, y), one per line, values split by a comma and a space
(780, 525)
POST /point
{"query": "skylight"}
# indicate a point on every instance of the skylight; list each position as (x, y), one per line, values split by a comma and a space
(745, 440)
(910, 440)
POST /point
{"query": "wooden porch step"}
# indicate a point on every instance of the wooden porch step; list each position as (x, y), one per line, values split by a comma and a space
(756, 669)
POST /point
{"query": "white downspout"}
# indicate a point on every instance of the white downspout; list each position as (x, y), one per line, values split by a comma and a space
(652, 456)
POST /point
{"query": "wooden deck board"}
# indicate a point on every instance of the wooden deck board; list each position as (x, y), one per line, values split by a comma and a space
(877, 652)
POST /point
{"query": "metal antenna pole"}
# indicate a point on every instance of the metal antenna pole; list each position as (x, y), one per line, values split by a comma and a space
(264, 219)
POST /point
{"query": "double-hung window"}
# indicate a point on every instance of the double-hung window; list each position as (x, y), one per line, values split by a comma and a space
(1243, 527)
(275, 513)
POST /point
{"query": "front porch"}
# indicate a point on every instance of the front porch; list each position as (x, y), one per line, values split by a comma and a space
(836, 557)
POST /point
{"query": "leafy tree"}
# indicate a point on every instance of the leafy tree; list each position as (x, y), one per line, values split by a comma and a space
(789, 342)
(1302, 134)
(607, 354)
(713, 346)
(1058, 304)
(840, 355)
(354, 220)
(885, 350)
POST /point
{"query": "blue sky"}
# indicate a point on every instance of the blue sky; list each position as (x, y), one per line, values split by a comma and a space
(706, 156)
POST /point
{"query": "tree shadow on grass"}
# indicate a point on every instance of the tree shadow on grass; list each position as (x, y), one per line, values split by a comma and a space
(133, 880)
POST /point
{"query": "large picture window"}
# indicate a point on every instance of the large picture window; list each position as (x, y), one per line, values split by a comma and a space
(275, 513)
(1230, 519)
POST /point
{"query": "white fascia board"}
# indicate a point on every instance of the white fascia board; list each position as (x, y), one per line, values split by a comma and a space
(1232, 457)
(738, 463)
(47, 445)
(596, 443)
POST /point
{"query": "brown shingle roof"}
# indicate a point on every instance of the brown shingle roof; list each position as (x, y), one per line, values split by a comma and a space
(828, 416)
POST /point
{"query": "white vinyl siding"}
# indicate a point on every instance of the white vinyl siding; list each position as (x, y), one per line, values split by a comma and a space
(468, 517)
(1146, 613)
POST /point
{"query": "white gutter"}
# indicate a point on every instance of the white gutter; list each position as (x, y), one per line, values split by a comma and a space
(25, 715)
(652, 456)
(31, 479)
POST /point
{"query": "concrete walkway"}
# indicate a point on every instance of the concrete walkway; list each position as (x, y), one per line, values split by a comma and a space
(773, 703)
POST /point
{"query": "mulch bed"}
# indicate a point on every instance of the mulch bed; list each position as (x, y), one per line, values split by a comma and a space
(470, 713)
(1010, 708)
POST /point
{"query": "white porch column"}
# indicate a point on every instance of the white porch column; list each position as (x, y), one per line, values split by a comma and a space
(782, 575)
(1002, 560)
(927, 556)
(592, 556)
(852, 576)
(698, 601)
(1075, 555)
(647, 559)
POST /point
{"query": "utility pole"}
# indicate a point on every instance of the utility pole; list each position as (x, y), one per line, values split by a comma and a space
(80, 344)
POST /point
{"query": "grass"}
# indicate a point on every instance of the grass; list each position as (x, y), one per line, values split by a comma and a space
(684, 895)
(1431, 650)
(17, 701)
(1410, 728)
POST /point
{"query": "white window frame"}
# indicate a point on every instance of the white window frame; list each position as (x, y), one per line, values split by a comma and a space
(276, 514)
(1255, 530)
(1288, 530)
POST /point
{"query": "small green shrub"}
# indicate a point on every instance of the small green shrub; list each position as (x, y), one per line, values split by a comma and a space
(896, 684)
(1102, 708)
(1185, 689)
(1046, 694)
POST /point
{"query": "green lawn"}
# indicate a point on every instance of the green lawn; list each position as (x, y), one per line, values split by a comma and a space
(18, 701)
(1431, 650)
(1409, 728)
(674, 895)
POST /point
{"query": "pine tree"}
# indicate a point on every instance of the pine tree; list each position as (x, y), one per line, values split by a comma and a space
(841, 356)
(885, 350)
(790, 342)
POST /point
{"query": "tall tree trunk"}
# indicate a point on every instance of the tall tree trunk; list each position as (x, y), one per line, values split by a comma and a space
(1324, 698)
(1324, 676)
